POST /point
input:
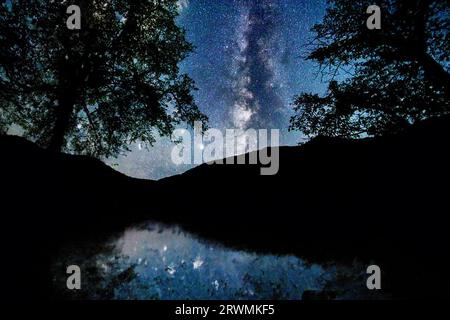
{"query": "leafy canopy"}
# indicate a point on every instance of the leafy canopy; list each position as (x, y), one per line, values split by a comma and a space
(97, 89)
(388, 78)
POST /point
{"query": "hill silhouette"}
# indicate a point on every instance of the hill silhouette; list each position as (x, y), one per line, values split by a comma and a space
(379, 200)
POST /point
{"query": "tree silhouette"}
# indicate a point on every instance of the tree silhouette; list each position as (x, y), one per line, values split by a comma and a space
(380, 80)
(97, 89)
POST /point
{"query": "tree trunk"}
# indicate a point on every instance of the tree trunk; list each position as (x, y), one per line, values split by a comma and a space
(63, 115)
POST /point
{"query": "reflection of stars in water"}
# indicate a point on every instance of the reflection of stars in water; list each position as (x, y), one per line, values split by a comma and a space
(170, 269)
(216, 284)
(190, 269)
(198, 262)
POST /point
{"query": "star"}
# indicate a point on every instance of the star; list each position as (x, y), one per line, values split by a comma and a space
(247, 67)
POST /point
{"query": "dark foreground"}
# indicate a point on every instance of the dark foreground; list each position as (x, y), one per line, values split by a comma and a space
(380, 200)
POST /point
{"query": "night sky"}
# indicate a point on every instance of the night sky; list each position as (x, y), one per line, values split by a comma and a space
(248, 65)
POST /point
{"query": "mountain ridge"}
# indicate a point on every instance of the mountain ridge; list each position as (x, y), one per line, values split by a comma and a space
(333, 200)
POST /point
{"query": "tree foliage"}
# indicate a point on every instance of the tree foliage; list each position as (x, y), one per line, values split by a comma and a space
(380, 80)
(97, 89)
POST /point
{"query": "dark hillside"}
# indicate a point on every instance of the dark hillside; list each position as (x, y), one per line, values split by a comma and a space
(380, 200)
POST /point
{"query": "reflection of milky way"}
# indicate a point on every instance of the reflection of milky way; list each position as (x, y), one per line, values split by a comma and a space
(156, 262)
(204, 271)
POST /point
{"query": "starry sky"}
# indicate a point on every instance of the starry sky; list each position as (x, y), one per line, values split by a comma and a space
(248, 65)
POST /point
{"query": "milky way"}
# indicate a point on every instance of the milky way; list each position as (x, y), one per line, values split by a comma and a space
(247, 66)
(257, 100)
